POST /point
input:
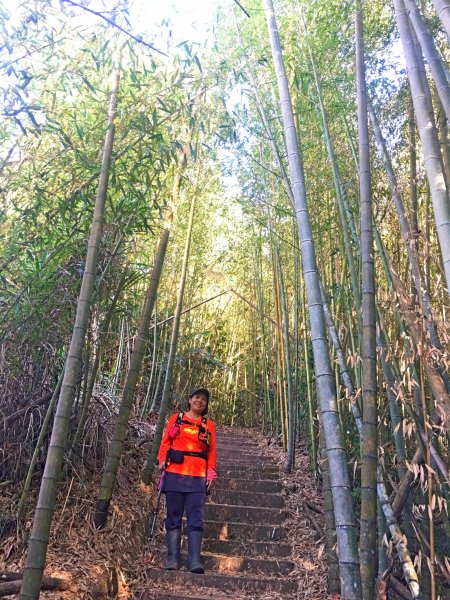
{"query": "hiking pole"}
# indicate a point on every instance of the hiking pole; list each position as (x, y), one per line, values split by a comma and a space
(155, 512)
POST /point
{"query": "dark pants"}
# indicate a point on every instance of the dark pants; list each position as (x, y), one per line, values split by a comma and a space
(193, 502)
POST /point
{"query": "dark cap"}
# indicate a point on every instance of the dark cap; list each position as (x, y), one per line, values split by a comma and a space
(203, 391)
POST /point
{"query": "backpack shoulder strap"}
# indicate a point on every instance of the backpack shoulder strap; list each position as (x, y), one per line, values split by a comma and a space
(179, 418)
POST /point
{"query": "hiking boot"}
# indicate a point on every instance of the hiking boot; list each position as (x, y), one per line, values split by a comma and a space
(194, 544)
(173, 537)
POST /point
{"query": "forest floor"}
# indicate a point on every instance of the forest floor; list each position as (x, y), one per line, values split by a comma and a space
(112, 563)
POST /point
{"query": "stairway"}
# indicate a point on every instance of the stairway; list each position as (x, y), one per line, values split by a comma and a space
(245, 550)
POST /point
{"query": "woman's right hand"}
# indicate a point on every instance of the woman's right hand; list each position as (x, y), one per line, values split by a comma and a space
(162, 465)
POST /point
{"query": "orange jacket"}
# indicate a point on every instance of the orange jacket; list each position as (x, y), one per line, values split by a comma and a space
(187, 440)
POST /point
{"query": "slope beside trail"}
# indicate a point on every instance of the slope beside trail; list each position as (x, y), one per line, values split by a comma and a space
(258, 542)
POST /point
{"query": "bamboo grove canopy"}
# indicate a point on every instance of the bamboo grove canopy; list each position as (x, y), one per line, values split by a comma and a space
(260, 203)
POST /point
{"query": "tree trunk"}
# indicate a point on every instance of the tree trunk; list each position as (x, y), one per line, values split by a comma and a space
(340, 481)
(37, 547)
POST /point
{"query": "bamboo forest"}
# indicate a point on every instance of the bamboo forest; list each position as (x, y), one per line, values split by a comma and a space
(244, 204)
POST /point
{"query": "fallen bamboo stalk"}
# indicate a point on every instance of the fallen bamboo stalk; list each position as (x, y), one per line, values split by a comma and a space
(12, 582)
(313, 507)
(311, 516)
(399, 589)
(12, 418)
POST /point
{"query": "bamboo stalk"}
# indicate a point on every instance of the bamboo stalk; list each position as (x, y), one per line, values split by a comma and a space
(340, 481)
(428, 136)
(37, 547)
(151, 461)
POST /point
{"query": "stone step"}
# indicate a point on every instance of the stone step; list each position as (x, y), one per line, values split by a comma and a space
(247, 472)
(244, 457)
(229, 530)
(220, 563)
(267, 567)
(244, 485)
(248, 468)
(246, 548)
(207, 594)
(244, 514)
(233, 441)
(227, 435)
(242, 498)
(253, 586)
(236, 445)
(232, 465)
(239, 447)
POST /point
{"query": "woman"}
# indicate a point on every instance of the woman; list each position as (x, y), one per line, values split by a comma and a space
(187, 457)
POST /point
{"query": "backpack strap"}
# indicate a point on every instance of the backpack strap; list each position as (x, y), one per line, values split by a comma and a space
(207, 434)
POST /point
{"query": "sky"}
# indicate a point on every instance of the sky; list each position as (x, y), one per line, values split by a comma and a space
(156, 21)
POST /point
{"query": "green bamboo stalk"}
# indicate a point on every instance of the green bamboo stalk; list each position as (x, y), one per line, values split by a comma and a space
(151, 461)
(103, 328)
(442, 126)
(422, 293)
(383, 562)
(37, 448)
(160, 371)
(333, 581)
(443, 10)
(268, 418)
(431, 54)
(296, 333)
(120, 429)
(37, 547)
(339, 189)
(153, 369)
(118, 361)
(427, 456)
(340, 481)
(369, 459)
(290, 457)
(428, 137)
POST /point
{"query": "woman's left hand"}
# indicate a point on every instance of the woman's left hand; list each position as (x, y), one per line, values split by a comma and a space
(209, 484)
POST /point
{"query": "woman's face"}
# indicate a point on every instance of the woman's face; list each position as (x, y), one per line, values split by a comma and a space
(198, 402)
